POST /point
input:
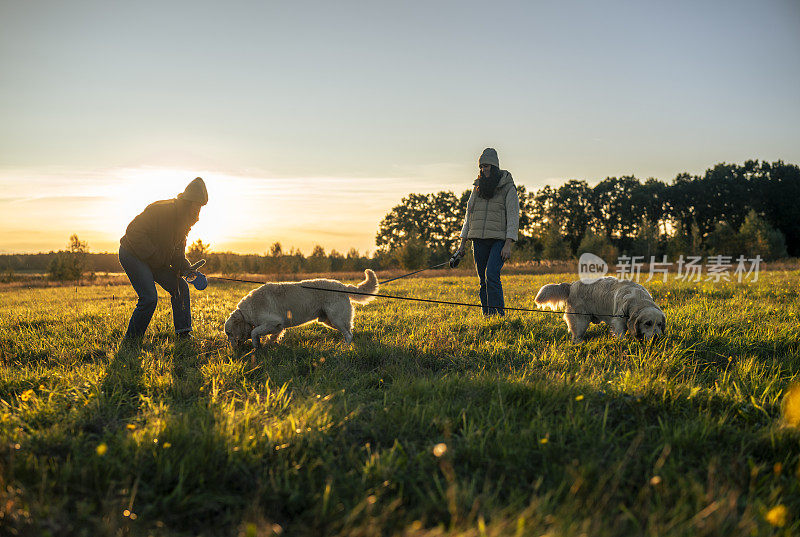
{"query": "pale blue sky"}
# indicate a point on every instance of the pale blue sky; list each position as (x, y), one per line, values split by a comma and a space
(359, 103)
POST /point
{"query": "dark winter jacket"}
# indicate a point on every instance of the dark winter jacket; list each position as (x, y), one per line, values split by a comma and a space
(157, 236)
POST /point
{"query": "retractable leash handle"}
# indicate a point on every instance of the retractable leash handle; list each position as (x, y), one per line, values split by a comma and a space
(456, 259)
(199, 280)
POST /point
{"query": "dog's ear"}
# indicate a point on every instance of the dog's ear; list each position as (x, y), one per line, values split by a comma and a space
(238, 318)
(633, 318)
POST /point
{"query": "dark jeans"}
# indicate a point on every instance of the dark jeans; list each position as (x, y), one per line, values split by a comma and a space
(144, 279)
(488, 263)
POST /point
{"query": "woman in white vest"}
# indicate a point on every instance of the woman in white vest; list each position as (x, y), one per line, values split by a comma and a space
(492, 222)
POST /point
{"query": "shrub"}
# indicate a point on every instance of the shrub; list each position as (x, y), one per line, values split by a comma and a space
(598, 245)
(647, 238)
(724, 240)
(757, 237)
(682, 244)
(198, 250)
(8, 275)
(69, 264)
(553, 244)
(413, 254)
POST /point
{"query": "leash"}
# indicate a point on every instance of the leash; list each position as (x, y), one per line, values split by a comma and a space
(431, 301)
(234, 280)
(412, 299)
(415, 272)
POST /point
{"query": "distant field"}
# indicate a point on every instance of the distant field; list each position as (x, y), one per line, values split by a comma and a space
(434, 422)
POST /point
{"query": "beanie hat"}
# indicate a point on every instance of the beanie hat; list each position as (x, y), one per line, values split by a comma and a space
(195, 191)
(489, 156)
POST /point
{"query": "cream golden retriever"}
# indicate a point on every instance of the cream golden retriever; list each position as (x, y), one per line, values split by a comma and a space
(274, 307)
(623, 305)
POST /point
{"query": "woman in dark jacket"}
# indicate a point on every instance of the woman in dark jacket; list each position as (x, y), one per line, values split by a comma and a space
(492, 222)
(152, 251)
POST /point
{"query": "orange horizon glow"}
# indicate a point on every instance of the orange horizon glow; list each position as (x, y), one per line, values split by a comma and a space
(245, 214)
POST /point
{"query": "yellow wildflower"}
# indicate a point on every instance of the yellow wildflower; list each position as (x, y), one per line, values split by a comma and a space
(27, 394)
(102, 449)
(777, 515)
(791, 405)
(440, 449)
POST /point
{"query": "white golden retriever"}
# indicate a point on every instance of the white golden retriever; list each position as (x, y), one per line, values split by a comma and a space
(274, 307)
(623, 305)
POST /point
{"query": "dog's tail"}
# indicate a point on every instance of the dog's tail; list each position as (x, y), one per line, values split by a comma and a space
(553, 296)
(369, 285)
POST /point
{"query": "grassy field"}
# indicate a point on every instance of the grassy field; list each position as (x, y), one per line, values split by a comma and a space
(435, 421)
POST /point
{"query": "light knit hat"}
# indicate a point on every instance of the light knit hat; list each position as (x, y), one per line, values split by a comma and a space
(195, 191)
(489, 156)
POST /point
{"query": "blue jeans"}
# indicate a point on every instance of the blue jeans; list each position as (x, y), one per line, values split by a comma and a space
(488, 263)
(144, 279)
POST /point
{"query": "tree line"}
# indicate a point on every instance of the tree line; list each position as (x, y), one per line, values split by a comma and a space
(278, 260)
(730, 209)
(76, 262)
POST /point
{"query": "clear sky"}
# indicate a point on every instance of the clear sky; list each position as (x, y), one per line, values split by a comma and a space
(310, 120)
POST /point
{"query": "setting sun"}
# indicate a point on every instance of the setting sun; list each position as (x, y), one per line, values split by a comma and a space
(244, 214)
(226, 217)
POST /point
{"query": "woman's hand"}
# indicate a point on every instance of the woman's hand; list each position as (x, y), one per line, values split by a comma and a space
(505, 253)
(462, 251)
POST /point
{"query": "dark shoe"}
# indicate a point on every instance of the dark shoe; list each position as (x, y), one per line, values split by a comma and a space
(186, 345)
(130, 343)
(184, 340)
(185, 336)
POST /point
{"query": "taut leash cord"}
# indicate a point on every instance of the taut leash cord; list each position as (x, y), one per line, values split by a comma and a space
(428, 300)
(431, 301)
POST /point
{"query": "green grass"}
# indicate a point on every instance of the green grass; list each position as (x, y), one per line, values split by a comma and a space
(317, 437)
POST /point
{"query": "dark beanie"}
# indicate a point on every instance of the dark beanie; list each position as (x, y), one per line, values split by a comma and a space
(489, 156)
(195, 191)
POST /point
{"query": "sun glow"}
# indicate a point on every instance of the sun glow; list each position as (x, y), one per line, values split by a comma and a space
(224, 218)
(245, 214)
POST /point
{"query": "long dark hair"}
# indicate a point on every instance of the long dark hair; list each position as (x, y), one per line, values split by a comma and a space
(487, 185)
